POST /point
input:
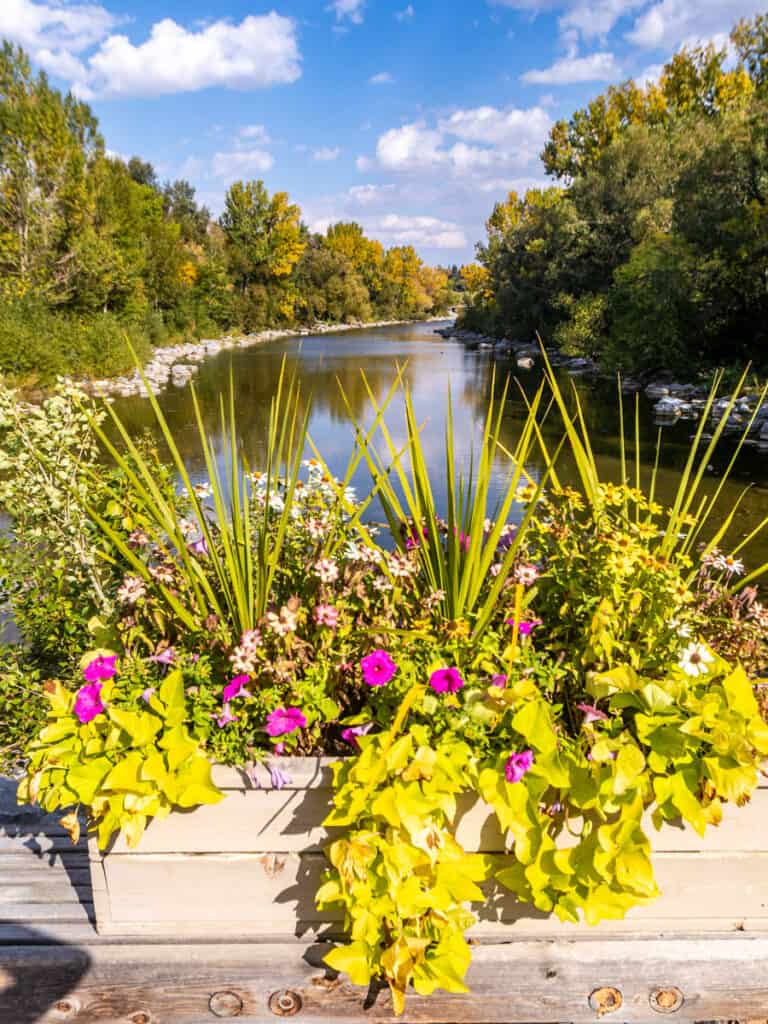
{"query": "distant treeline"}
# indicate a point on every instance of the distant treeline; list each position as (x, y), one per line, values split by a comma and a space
(653, 249)
(93, 248)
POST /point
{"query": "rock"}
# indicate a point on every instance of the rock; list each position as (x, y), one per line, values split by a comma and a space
(526, 362)
(668, 408)
(579, 366)
(657, 391)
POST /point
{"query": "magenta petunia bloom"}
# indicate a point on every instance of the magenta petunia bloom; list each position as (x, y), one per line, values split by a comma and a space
(148, 694)
(446, 680)
(378, 668)
(499, 680)
(592, 714)
(517, 766)
(282, 721)
(526, 626)
(350, 735)
(88, 702)
(235, 687)
(102, 667)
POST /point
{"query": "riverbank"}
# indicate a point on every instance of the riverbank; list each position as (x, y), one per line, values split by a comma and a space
(176, 365)
(673, 400)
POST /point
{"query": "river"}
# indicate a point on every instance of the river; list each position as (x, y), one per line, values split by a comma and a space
(433, 364)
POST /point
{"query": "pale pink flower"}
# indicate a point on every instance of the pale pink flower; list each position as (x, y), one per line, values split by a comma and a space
(526, 574)
(326, 570)
(326, 615)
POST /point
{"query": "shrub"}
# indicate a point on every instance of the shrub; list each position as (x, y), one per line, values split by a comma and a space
(37, 345)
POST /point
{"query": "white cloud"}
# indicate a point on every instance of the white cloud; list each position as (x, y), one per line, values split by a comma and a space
(369, 195)
(240, 163)
(259, 51)
(383, 78)
(671, 22)
(597, 67)
(489, 140)
(326, 154)
(363, 163)
(255, 133)
(406, 13)
(398, 229)
(497, 127)
(352, 9)
(412, 146)
(54, 33)
(596, 18)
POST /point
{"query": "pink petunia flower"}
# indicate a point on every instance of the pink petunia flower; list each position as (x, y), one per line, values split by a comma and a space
(378, 668)
(235, 687)
(166, 657)
(592, 714)
(88, 702)
(350, 735)
(148, 694)
(499, 680)
(446, 680)
(518, 765)
(525, 626)
(283, 721)
(102, 667)
(226, 716)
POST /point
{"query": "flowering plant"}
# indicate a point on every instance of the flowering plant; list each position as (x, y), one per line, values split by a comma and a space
(541, 653)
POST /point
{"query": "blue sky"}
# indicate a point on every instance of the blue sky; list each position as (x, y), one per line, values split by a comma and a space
(412, 118)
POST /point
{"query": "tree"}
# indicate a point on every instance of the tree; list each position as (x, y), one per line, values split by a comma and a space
(143, 173)
(180, 205)
(264, 233)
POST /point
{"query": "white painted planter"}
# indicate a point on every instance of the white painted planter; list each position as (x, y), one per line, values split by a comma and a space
(250, 865)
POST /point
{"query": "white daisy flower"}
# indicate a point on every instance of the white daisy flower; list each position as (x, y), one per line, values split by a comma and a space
(727, 563)
(695, 659)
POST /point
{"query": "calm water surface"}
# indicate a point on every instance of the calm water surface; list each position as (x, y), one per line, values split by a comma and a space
(432, 365)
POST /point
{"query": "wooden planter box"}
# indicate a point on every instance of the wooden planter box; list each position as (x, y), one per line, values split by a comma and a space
(249, 867)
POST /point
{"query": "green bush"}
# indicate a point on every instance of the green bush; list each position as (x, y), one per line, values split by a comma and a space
(37, 345)
(23, 707)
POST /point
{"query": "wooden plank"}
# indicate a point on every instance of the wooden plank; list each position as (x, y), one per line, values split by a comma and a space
(302, 773)
(40, 843)
(69, 910)
(29, 863)
(55, 890)
(534, 982)
(274, 893)
(289, 821)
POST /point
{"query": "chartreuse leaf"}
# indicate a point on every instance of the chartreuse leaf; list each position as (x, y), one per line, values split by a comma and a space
(142, 728)
(86, 779)
(534, 722)
(630, 764)
(353, 960)
(196, 785)
(741, 696)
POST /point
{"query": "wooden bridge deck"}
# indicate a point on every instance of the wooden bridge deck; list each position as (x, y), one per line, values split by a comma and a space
(54, 967)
